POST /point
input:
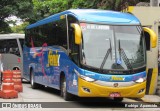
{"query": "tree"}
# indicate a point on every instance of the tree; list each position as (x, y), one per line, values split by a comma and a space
(44, 8)
(19, 28)
(4, 28)
(34, 10)
(116, 5)
(19, 8)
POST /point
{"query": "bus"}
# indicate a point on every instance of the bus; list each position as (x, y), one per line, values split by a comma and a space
(11, 51)
(87, 53)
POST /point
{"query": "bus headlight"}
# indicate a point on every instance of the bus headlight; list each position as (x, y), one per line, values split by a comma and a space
(140, 80)
(86, 78)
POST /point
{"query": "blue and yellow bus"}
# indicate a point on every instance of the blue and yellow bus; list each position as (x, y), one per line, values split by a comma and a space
(88, 53)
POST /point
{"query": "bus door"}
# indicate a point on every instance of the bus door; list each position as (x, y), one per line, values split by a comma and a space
(74, 56)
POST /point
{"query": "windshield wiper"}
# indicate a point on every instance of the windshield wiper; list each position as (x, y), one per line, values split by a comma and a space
(139, 29)
(106, 56)
(124, 57)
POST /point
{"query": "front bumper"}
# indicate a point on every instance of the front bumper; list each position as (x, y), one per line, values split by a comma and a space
(90, 89)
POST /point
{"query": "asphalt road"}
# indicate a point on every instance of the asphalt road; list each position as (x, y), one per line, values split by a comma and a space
(48, 99)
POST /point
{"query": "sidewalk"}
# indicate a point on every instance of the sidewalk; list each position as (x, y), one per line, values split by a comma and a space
(151, 98)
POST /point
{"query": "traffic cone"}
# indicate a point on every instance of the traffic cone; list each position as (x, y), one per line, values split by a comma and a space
(7, 90)
(7, 76)
(17, 80)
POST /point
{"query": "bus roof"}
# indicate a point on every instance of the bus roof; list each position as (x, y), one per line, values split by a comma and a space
(92, 15)
(11, 36)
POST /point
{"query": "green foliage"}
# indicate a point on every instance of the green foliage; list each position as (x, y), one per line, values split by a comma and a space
(24, 9)
(48, 7)
(45, 8)
(34, 10)
(4, 27)
(19, 28)
(20, 8)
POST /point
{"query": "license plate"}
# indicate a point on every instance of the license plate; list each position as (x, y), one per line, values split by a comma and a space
(115, 94)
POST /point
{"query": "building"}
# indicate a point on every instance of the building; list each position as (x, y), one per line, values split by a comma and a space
(149, 15)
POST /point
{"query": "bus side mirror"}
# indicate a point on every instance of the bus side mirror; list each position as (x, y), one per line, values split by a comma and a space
(78, 36)
(152, 35)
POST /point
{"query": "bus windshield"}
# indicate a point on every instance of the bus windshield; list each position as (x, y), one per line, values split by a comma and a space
(113, 47)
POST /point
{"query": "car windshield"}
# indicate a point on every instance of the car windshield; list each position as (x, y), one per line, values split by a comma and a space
(112, 47)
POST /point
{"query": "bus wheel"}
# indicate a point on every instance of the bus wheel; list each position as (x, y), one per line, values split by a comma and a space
(119, 99)
(64, 92)
(33, 84)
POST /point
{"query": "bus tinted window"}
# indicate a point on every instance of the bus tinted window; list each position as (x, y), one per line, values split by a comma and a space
(52, 34)
(9, 46)
(62, 33)
(27, 38)
(56, 33)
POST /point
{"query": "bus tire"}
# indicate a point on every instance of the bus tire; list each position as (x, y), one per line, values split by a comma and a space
(33, 84)
(118, 99)
(66, 96)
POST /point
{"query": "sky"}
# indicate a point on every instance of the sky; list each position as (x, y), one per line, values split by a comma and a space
(14, 18)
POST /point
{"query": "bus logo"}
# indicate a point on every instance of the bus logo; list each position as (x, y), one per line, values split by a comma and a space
(115, 78)
(115, 84)
(53, 59)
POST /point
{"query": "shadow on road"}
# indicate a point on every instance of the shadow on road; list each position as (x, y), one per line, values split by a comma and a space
(79, 102)
(83, 102)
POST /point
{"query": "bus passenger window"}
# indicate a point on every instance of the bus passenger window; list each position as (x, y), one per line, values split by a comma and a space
(61, 33)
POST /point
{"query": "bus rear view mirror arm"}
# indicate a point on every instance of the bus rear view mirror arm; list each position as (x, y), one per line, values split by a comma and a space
(78, 36)
(152, 35)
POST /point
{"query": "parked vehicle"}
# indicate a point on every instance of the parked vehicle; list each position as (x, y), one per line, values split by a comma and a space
(11, 51)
